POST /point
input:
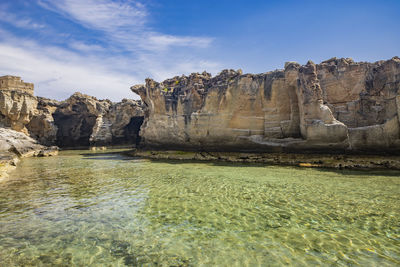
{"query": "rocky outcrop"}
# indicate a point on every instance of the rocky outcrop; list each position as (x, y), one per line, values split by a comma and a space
(22, 116)
(79, 121)
(29, 124)
(76, 117)
(336, 106)
(42, 126)
(120, 124)
(14, 145)
(23, 112)
(16, 109)
(83, 120)
(313, 160)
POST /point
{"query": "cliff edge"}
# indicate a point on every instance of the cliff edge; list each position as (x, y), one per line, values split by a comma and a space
(336, 106)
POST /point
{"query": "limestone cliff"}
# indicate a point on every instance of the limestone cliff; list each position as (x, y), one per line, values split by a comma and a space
(21, 111)
(120, 124)
(28, 124)
(83, 120)
(42, 126)
(338, 105)
(16, 109)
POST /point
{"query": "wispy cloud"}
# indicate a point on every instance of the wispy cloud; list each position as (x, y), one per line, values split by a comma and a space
(123, 22)
(160, 41)
(100, 14)
(84, 47)
(58, 72)
(20, 22)
(124, 52)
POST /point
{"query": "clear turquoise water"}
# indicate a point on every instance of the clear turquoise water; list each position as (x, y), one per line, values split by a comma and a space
(95, 209)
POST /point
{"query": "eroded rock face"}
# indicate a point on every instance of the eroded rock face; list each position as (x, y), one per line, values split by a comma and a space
(76, 117)
(83, 120)
(21, 111)
(18, 143)
(14, 145)
(16, 109)
(339, 105)
(119, 125)
(42, 126)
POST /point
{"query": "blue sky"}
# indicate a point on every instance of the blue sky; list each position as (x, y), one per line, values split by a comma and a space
(102, 47)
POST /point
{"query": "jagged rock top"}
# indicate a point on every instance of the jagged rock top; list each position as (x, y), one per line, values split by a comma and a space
(205, 78)
(337, 103)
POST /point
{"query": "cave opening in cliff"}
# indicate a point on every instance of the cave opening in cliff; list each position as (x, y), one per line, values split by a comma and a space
(73, 130)
(131, 131)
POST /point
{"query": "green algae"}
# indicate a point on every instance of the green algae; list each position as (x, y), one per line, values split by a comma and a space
(84, 208)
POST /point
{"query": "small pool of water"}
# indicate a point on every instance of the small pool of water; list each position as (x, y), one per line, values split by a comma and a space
(83, 208)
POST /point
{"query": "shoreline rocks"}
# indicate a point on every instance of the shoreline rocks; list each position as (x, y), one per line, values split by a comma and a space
(15, 145)
(338, 161)
(32, 126)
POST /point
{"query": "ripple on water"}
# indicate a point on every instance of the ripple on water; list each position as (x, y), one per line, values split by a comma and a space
(85, 208)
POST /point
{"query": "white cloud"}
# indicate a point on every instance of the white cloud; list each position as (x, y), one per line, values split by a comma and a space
(100, 14)
(160, 41)
(84, 47)
(20, 22)
(127, 52)
(58, 72)
(123, 22)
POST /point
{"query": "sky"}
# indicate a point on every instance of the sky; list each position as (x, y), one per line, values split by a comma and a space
(102, 47)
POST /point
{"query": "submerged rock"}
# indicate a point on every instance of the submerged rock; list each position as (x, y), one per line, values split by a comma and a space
(336, 106)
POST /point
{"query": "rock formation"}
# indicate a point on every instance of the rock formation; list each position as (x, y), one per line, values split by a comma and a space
(42, 126)
(15, 145)
(338, 105)
(120, 124)
(21, 111)
(19, 118)
(83, 120)
(29, 124)
(16, 109)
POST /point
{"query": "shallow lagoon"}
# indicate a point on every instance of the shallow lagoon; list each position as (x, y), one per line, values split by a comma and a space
(85, 208)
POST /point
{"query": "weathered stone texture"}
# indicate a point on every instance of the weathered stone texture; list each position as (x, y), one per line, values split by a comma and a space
(16, 109)
(120, 124)
(42, 126)
(83, 120)
(14, 83)
(14, 145)
(337, 105)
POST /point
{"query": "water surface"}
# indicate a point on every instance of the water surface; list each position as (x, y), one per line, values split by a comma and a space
(83, 208)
